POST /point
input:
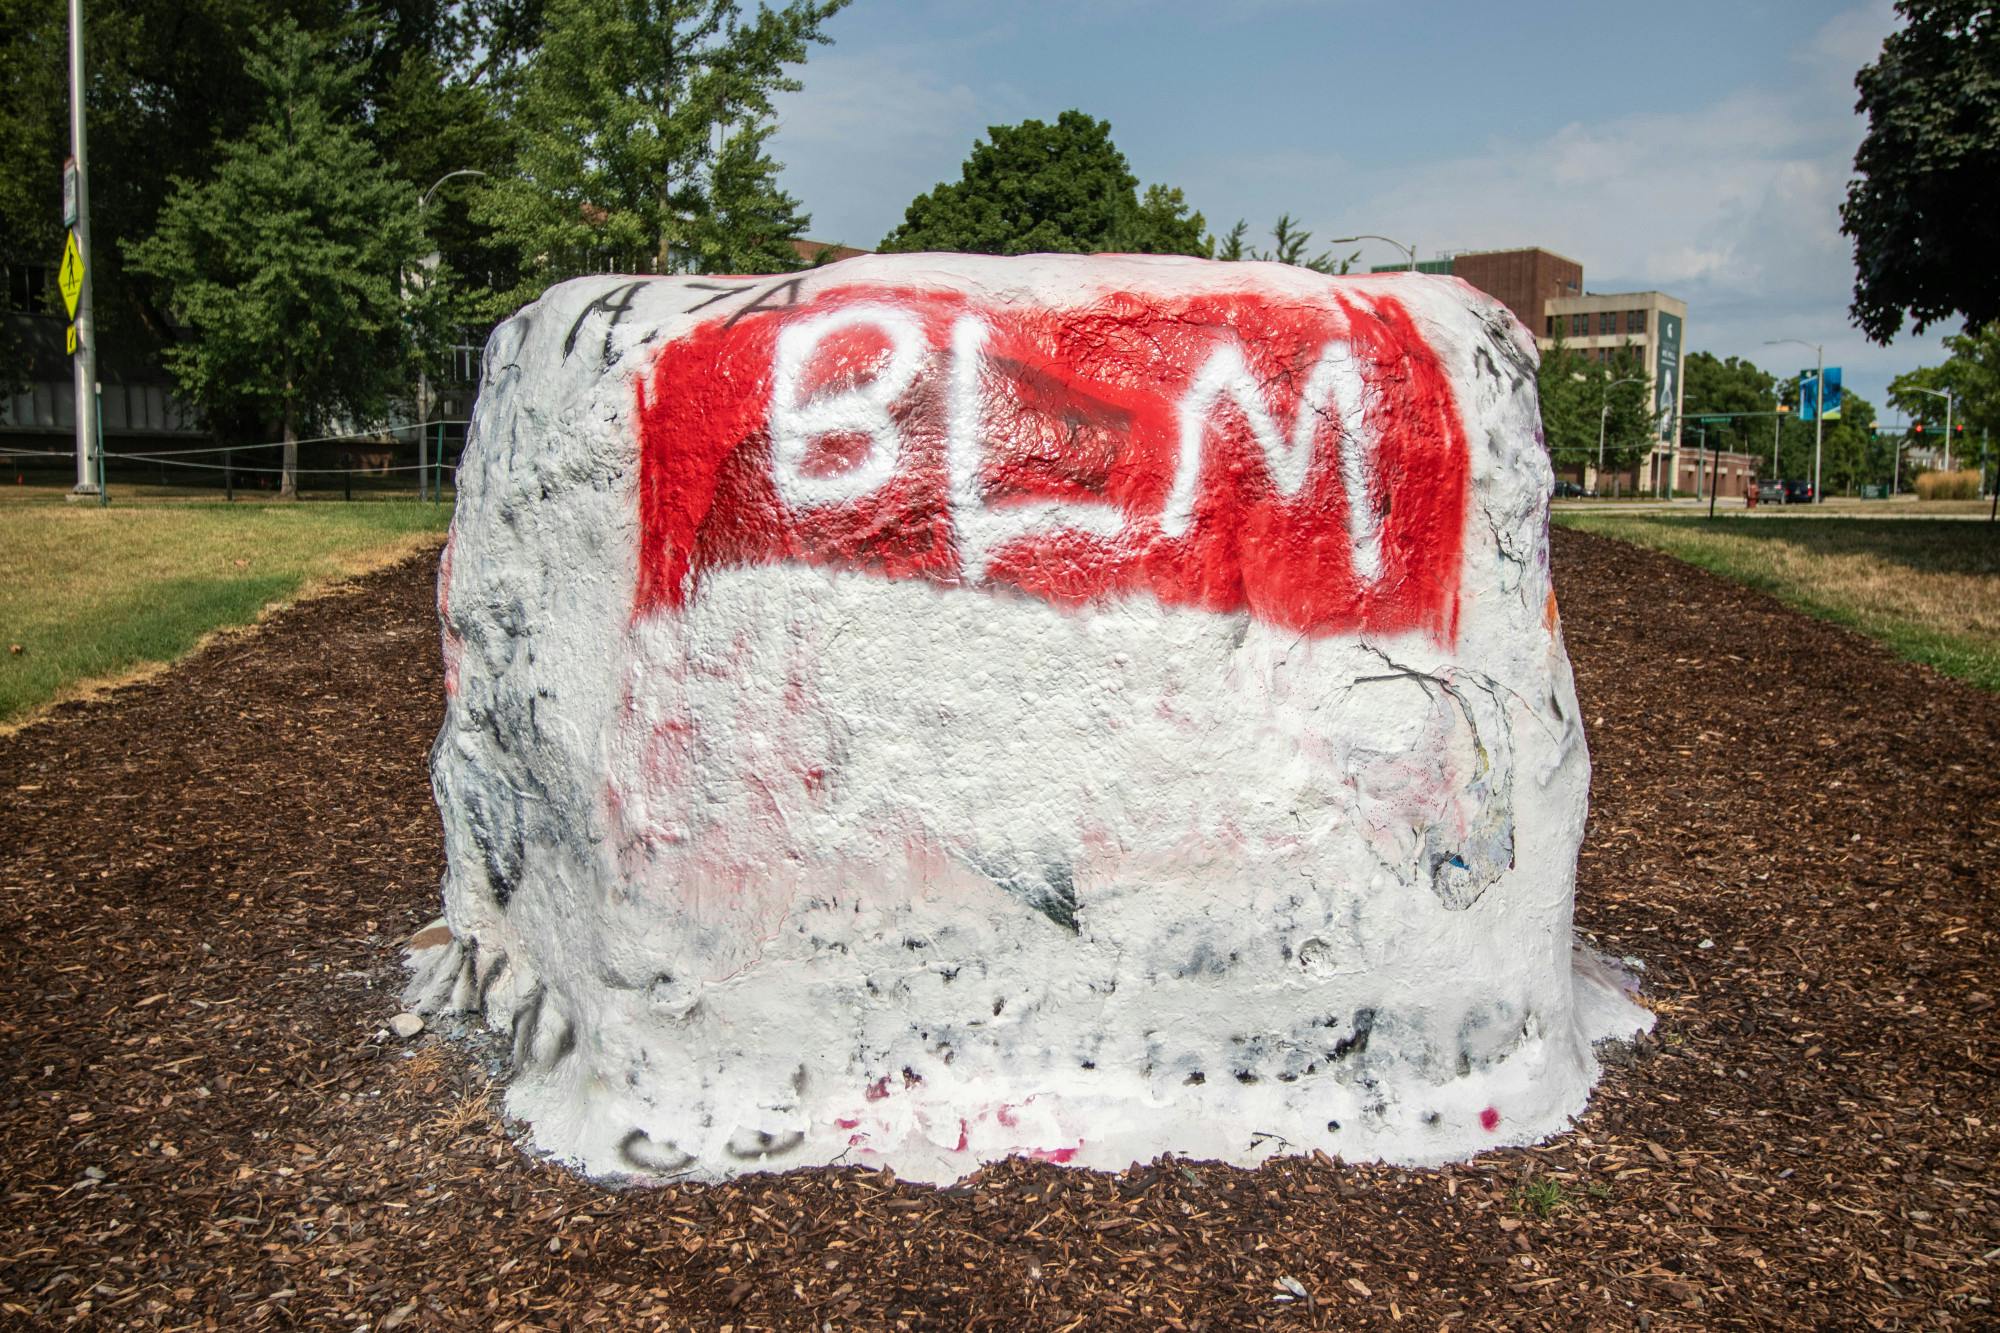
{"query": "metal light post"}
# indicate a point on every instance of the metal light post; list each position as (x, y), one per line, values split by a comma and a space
(85, 361)
(423, 380)
(1819, 405)
(1604, 416)
(1946, 395)
(1409, 250)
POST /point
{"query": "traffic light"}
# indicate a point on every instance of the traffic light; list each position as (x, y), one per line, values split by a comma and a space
(1916, 428)
(1958, 428)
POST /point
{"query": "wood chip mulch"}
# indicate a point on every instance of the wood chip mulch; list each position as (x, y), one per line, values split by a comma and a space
(205, 881)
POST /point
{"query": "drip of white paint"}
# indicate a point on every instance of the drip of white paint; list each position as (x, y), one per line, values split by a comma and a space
(861, 410)
(1334, 387)
(982, 530)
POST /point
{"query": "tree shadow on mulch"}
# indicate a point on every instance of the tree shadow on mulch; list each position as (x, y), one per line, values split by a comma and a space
(205, 881)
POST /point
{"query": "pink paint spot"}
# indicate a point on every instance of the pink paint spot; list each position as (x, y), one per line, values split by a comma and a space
(855, 1140)
(848, 1124)
(1005, 1115)
(964, 1137)
(1489, 1119)
(1056, 1155)
(878, 1089)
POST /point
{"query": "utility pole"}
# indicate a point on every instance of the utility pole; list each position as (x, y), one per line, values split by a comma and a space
(85, 360)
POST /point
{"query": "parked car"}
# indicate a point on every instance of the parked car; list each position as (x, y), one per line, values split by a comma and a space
(1569, 490)
(1798, 492)
(1771, 492)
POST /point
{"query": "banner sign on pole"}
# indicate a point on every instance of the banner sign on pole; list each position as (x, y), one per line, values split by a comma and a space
(69, 192)
(1808, 399)
(70, 343)
(1667, 374)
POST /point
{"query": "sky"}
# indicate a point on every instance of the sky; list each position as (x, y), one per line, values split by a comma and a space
(1700, 148)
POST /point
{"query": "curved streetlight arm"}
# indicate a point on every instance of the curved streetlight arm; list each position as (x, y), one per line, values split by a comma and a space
(1409, 250)
(425, 200)
(1604, 416)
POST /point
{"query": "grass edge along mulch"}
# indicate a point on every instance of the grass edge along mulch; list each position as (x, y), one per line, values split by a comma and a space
(1716, 546)
(139, 651)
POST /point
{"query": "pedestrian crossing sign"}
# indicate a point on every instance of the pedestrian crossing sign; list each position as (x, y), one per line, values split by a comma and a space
(69, 340)
(70, 276)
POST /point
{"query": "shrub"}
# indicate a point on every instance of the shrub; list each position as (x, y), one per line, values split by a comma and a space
(1949, 485)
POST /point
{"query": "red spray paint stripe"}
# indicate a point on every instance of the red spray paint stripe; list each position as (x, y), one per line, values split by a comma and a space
(1078, 404)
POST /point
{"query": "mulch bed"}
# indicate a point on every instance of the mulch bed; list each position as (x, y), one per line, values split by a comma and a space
(205, 881)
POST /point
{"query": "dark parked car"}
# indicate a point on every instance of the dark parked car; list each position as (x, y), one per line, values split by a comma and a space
(1770, 492)
(1798, 492)
(1569, 490)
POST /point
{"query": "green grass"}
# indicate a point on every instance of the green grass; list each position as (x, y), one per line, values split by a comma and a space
(90, 595)
(1928, 588)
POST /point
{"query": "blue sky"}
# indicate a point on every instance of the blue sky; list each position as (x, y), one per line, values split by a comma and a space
(1698, 147)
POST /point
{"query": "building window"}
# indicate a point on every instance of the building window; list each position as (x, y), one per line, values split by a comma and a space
(1607, 321)
(1555, 325)
(1579, 325)
(1635, 321)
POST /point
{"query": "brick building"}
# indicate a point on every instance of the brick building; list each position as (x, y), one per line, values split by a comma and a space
(1546, 293)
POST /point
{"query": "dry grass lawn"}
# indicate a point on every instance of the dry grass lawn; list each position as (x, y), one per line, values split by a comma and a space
(1929, 589)
(92, 596)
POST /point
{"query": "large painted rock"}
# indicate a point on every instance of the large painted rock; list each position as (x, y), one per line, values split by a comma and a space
(933, 708)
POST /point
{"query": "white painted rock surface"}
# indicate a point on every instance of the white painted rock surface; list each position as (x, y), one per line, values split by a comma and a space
(934, 708)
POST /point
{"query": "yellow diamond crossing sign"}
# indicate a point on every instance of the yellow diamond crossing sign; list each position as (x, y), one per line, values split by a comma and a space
(70, 277)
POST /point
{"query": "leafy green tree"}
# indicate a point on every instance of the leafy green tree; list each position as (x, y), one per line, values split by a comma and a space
(1851, 457)
(1232, 246)
(1971, 376)
(1714, 386)
(619, 114)
(1625, 405)
(287, 266)
(1166, 224)
(1040, 188)
(1924, 237)
(169, 87)
(1569, 405)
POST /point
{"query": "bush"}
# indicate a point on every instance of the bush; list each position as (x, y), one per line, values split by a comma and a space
(1949, 485)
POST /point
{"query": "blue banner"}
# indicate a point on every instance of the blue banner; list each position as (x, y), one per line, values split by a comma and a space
(1809, 398)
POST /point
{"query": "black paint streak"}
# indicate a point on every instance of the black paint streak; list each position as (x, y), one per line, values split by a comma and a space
(721, 290)
(790, 287)
(768, 1145)
(1049, 889)
(1364, 1023)
(630, 1148)
(614, 303)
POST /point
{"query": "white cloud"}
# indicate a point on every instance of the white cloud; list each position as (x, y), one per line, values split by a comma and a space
(886, 123)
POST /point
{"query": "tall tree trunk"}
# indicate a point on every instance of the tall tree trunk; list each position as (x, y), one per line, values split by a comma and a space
(288, 485)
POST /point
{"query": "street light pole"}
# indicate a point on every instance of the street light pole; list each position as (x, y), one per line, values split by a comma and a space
(1409, 250)
(85, 361)
(423, 379)
(1604, 415)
